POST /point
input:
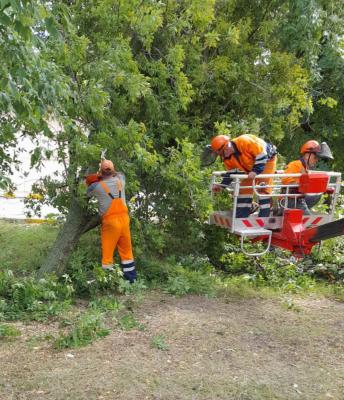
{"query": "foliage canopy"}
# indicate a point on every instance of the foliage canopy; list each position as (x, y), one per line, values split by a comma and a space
(153, 81)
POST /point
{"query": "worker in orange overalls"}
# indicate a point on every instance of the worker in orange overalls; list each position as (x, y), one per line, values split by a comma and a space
(253, 156)
(311, 152)
(108, 187)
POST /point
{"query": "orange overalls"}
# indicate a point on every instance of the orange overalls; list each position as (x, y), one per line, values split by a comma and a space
(115, 232)
(252, 154)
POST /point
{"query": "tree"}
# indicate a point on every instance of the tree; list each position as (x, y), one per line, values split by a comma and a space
(313, 32)
(31, 86)
(152, 82)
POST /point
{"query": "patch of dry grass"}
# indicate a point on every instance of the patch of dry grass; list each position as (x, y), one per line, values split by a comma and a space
(248, 349)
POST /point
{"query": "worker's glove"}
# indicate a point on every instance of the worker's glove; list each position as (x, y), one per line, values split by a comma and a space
(251, 175)
(254, 207)
(92, 178)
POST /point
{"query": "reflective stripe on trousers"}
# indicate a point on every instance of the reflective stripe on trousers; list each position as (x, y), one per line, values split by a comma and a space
(264, 202)
(243, 206)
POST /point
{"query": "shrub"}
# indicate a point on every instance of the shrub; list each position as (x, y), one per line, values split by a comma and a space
(185, 281)
(105, 304)
(155, 271)
(89, 326)
(128, 322)
(27, 298)
(8, 331)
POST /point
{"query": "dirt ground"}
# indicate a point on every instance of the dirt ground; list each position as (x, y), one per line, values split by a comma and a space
(217, 349)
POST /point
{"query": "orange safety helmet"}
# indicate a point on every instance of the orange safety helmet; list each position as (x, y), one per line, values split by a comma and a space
(218, 142)
(107, 167)
(312, 146)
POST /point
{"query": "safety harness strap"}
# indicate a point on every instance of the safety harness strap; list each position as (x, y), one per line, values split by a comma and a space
(237, 155)
(107, 190)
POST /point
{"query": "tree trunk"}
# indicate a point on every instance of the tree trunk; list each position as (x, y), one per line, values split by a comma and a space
(78, 222)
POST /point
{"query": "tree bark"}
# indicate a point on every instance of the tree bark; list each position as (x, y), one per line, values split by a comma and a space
(77, 223)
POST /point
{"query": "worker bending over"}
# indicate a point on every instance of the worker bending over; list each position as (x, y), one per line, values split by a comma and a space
(252, 156)
(108, 187)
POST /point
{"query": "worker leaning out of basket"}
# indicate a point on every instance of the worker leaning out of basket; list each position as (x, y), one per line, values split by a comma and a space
(108, 188)
(253, 156)
(311, 152)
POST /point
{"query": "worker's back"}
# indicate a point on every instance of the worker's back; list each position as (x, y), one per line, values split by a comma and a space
(116, 186)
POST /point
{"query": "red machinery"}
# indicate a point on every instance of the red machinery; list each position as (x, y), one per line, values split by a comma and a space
(291, 229)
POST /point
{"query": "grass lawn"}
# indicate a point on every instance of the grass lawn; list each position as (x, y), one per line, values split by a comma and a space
(190, 335)
(188, 348)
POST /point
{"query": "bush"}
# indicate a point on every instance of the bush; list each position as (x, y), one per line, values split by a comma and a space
(238, 263)
(27, 298)
(8, 331)
(89, 326)
(153, 270)
(328, 263)
(105, 304)
(285, 276)
(184, 280)
(128, 322)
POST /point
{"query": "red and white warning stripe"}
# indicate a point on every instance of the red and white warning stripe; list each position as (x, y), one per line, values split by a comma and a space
(314, 220)
(222, 221)
(253, 222)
